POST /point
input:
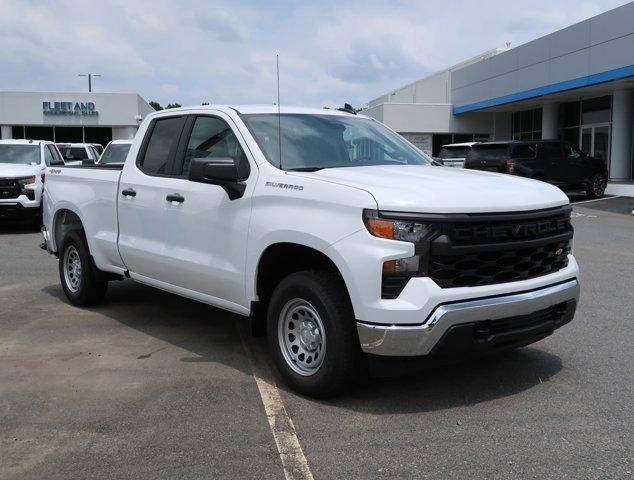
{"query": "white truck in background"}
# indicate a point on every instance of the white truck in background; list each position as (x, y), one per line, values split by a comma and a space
(454, 154)
(115, 153)
(78, 153)
(22, 167)
(340, 244)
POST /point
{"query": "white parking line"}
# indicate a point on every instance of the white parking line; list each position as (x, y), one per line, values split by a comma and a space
(597, 199)
(288, 447)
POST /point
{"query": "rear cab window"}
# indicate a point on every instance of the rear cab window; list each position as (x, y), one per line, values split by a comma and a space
(159, 146)
(115, 153)
(493, 151)
(454, 152)
(73, 153)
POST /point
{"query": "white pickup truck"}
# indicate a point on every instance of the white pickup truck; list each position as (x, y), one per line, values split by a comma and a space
(22, 167)
(338, 239)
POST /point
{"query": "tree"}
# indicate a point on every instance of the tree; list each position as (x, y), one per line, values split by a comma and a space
(173, 105)
(155, 105)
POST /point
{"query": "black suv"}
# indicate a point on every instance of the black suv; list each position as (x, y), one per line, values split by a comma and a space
(551, 161)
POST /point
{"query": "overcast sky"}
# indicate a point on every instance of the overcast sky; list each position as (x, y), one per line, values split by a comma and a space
(224, 52)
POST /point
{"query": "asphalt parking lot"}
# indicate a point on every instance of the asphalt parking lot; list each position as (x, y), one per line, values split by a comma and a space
(150, 385)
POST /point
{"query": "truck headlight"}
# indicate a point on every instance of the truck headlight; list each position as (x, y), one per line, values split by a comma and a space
(26, 181)
(394, 229)
(27, 187)
(396, 273)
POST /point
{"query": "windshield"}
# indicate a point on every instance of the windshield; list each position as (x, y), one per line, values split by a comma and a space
(20, 154)
(73, 153)
(115, 153)
(489, 152)
(312, 142)
(453, 152)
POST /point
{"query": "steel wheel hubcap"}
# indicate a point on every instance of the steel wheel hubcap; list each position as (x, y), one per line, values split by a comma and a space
(72, 269)
(301, 337)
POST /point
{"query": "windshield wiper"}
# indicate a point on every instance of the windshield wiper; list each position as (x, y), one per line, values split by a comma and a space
(304, 169)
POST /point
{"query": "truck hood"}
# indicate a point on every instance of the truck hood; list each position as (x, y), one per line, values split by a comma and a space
(427, 189)
(10, 170)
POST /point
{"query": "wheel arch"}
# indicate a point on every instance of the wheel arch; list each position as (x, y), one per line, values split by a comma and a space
(64, 221)
(277, 261)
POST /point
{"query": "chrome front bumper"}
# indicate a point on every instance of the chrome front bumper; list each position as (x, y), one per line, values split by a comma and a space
(417, 340)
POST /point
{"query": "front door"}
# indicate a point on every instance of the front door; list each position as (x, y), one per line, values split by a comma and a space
(206, 233)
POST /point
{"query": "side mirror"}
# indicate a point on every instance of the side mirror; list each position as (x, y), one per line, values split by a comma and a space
(217, 171)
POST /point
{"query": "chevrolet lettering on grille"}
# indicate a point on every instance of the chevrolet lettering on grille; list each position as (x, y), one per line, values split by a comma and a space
(510, 231)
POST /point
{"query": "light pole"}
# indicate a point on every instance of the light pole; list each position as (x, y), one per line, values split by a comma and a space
(89, 75)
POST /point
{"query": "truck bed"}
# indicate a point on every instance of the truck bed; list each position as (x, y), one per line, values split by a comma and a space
(90, 191)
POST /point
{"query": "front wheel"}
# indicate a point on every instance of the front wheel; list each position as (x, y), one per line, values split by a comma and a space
(596, 187)
(77, 272)
(312, 334)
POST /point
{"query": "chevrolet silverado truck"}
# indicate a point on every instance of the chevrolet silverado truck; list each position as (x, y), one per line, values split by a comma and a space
(330, 231)
(22, 167)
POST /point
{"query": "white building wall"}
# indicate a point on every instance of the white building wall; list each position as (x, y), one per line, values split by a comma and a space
(123, 133)
(429, 118)
(115, 109)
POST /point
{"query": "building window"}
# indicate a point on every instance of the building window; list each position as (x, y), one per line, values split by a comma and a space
(17, 133)
(100, 135)
(39, 133)
(596, 110)
(69, 134)
(527, 124)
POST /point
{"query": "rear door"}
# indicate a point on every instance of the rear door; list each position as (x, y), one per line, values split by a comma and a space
(555, 164)
(206, 232)
(144, 186)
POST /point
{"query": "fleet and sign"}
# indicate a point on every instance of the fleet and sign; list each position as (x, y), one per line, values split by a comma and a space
(86, 109)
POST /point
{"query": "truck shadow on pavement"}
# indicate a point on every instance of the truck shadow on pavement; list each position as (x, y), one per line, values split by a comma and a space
(428, 388)
(213, 335)
(210, 334)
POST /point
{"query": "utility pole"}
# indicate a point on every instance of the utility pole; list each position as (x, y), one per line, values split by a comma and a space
(89, 75)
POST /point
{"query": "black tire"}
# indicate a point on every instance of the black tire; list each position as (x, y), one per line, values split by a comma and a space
(596, 187)
(343, 363)
(85, 288)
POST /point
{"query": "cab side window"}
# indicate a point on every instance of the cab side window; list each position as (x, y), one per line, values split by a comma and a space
(524, 151)
(572, 152)
(49, 159)
(58, 159)
(212, 137)
(552, 151)
(160, 146)
(51, 156)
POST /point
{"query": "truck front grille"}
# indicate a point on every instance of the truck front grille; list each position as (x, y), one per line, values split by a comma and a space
(473, 251)
(9, 188)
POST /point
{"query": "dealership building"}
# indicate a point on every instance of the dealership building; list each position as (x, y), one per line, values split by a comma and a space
(576, 84)
(71, 117)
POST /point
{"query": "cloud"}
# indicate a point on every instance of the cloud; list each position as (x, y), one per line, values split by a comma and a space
(223, 51)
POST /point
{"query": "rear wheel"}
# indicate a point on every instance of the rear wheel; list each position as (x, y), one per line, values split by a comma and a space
(77, 272)
(596, 187)
(312, 334)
